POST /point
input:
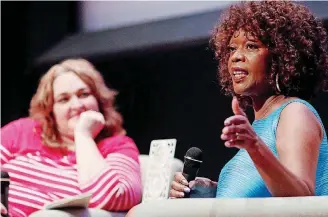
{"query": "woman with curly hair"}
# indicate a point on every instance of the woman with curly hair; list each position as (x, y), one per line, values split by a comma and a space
(72, 143)
(273, 56)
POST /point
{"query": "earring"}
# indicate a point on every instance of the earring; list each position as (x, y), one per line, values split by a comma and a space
(277, 83)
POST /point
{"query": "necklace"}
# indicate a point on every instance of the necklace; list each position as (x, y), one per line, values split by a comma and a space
(268, 105)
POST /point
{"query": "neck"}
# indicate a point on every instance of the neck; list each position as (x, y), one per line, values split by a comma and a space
(262, 105)
(68, 142)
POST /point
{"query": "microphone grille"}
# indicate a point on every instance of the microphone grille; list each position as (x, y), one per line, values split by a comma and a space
(195, 153)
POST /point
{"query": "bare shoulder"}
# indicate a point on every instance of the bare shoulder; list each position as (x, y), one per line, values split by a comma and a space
(298, 116)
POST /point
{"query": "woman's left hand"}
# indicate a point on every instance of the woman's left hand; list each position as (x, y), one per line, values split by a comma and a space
(237, 131)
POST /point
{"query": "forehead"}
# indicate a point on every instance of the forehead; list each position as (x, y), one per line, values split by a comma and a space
(242, 35)
(68, 83)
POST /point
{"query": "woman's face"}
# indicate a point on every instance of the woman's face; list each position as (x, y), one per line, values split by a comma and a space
(71, 97)
(248, 64)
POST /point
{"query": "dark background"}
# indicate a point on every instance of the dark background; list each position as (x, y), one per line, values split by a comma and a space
(164, 93)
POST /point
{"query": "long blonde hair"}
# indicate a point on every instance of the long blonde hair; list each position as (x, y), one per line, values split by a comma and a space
(41, 105)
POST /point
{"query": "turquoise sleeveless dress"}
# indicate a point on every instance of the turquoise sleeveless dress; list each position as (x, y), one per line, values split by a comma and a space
(240, 178)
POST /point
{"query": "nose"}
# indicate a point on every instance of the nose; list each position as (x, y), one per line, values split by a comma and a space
(238, 55)
(75, 103)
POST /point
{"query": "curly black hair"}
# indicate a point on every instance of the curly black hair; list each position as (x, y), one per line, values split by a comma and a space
(297, 42)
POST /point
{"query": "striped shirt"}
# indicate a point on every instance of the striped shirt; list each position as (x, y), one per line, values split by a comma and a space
(40, 174)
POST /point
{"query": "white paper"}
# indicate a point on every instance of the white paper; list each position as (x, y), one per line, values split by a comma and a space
(81, 201)
(159, 170)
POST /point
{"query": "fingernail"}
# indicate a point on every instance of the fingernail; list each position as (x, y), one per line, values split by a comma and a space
(184, 182)
(181, 194)
(186, 190)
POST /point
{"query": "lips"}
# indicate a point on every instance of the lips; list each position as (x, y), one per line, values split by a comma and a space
(238, 74)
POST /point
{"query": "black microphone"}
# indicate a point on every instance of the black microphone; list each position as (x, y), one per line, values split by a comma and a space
(192, 162)
(4, 190)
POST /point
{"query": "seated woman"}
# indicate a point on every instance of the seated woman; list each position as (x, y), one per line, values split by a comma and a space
(273, 56)
(72, 143)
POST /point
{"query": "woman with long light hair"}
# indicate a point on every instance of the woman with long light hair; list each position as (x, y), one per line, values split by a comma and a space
(72, 143)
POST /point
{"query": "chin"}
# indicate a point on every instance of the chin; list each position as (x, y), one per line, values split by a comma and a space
(243, 90)
(240, 91)
(72, 124)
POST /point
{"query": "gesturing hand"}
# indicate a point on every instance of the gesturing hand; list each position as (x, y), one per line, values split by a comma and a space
(238, 132)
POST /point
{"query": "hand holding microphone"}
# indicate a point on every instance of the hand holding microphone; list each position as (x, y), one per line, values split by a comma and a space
(4, 193)
(183, 182)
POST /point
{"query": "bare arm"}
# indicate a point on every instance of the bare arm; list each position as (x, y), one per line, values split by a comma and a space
(299, 135)
(89, 160)
(112, 175)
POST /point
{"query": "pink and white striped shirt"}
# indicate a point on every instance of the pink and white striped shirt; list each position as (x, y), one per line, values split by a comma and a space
(39, 174)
